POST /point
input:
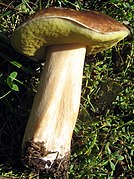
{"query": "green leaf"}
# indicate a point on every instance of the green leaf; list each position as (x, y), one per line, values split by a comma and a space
(112, 165)
(13, 75)
(1, 74)
(107, 148)
(119, 157)
(10, 80)
(15, 87)
(15, 63)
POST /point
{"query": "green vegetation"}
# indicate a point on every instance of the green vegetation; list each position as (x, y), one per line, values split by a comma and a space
(103, 140)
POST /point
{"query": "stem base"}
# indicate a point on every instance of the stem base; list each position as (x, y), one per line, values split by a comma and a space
(33, 154)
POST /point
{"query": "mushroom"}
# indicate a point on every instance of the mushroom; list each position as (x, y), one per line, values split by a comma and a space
(61, 37)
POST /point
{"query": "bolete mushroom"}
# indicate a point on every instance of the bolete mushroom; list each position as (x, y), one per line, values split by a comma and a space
(61, 37)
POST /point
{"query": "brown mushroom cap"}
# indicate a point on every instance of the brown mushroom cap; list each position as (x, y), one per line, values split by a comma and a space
(51, 26)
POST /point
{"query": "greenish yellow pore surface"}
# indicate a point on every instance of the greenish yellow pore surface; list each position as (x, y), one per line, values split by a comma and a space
(32, 37)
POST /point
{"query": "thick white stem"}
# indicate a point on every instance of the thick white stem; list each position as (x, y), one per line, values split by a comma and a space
(56, 105)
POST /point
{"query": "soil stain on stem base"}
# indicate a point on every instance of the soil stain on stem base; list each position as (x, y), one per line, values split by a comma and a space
(32, 155)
